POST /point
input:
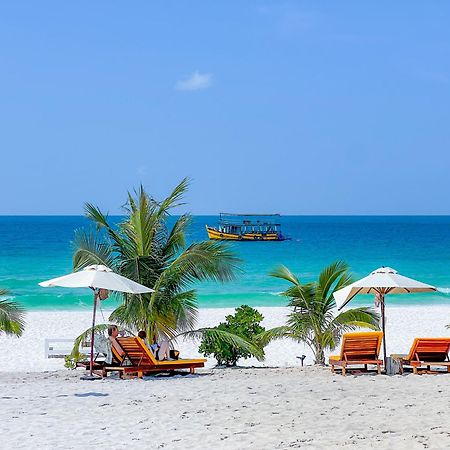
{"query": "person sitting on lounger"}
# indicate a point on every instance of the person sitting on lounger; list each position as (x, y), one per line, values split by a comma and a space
(143, 335)
(161, 351)
(113, 332)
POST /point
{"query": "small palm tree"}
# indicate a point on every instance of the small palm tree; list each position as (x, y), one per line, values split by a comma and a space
(144, 248)
(313, 320)
(11, 316)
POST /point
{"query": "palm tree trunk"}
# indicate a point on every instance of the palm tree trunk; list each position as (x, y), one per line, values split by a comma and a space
(319, 355)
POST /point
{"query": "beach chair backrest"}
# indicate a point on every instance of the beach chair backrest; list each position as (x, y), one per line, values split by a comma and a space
(147, 351)
(429, 349)
(116, 357)
(360, 346)
(135, 351)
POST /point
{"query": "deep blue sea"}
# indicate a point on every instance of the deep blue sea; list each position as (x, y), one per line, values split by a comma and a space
(34, 248)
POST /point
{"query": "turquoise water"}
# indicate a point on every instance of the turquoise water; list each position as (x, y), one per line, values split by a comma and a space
(34, 248)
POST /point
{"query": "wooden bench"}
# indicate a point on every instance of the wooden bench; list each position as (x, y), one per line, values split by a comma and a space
(60, 348)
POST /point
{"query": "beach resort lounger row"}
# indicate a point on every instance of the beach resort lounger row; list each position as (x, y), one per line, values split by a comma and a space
(139, 360)
(364, 349)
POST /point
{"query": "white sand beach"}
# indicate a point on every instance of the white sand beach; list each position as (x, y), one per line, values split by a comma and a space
(27, 353)
(279, 406)
(226, 409)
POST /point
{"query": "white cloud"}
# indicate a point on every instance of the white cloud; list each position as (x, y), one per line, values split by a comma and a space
(195, 82)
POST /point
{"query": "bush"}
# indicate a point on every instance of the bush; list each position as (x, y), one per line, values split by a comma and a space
(72, 359)
(245, 323)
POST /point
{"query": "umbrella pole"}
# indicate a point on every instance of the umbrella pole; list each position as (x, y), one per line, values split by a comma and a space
(91, 375)
(383, 323)
(91, 364)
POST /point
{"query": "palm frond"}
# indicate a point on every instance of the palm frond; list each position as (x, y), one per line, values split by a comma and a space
(176, 240)
(175, 197)
(12, 316)
(93, 213)
(142, 225)
(184, 305)
(133, 312)
(284, 273)
(201, 261)
(216, 335)
(357, 317)
(267, 336)
(91, 249)
(101, 221)
(86, 336)
(302, 296)
(332, 278)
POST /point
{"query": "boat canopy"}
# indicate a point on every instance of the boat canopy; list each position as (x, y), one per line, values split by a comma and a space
(247, 219)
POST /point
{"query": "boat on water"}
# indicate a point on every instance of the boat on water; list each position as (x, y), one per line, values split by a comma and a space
(247, 227)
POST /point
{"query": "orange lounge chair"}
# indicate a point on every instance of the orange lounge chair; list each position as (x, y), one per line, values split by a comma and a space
(359, 348)
(139, 359)
(426, 352)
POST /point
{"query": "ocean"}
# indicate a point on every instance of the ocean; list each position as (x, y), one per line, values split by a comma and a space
(36, 248)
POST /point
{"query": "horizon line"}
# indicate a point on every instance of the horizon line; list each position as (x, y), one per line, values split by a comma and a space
(217, 214)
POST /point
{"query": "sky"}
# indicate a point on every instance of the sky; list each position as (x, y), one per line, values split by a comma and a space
(299, 107)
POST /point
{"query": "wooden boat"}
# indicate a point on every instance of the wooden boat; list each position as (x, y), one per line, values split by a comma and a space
(246, 227)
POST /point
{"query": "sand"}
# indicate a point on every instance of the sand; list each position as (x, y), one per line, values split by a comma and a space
(226, 409)
(278, 406)
(27, 353)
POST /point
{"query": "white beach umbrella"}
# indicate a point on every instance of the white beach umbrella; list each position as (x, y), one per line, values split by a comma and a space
(97, 277)
(381, 282)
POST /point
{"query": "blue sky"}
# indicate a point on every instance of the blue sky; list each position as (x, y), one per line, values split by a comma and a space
(294, 107)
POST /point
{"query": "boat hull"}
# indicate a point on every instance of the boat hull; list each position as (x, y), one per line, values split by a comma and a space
(215, 234)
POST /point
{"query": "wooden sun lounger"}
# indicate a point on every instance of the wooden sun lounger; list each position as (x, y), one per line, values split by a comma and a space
(138, 359)
(98, 365)
(99, 361)
(359, 348)
(426, 352)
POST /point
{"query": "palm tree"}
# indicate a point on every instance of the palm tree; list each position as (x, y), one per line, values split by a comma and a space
(11, 316)
(313, 320)
(145, 249)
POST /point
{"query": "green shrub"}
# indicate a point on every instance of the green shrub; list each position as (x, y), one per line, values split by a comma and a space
(72, 359)
(245, 323)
